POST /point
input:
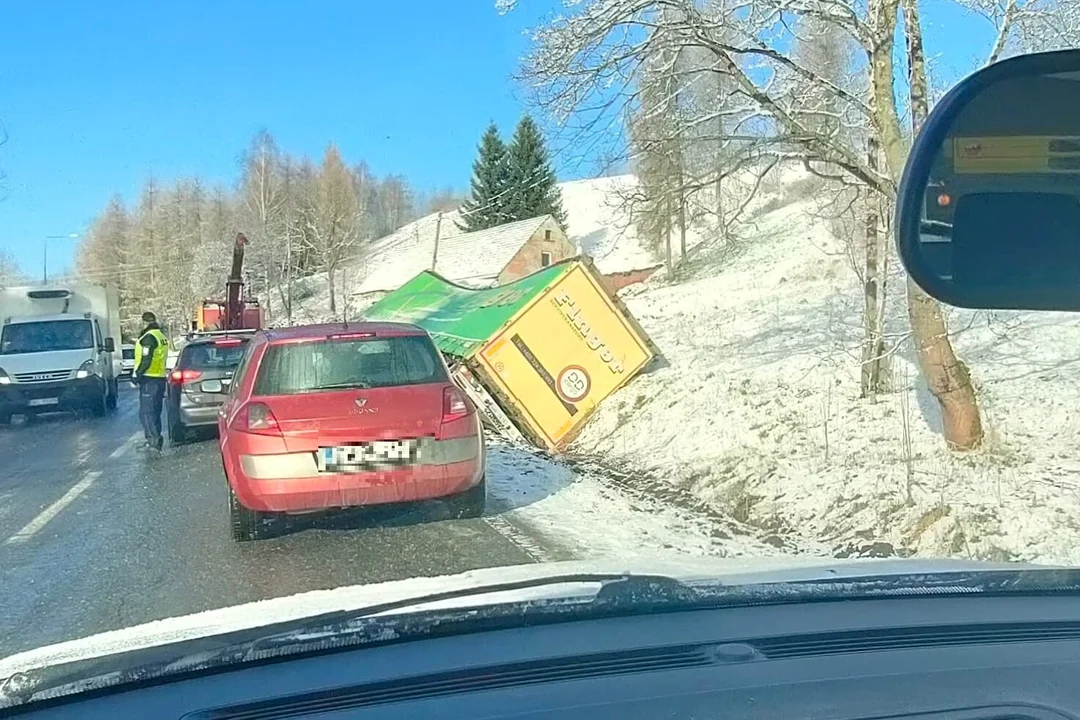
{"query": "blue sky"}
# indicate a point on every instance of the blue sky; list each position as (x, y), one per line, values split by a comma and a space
(95, 97)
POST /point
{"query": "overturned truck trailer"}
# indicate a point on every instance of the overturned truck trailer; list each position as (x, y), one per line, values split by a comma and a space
(541, 352)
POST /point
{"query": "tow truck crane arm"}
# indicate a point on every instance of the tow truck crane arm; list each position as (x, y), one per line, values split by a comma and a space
(234, 306)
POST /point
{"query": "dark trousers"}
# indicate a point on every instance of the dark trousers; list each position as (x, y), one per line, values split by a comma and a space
(151, 398)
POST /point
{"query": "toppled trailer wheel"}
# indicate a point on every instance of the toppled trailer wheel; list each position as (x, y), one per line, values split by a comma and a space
(537, 355)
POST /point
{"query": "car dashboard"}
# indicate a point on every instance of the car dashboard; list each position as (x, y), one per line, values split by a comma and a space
(947, 658)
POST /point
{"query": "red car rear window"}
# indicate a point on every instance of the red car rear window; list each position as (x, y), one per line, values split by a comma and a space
(342, 363)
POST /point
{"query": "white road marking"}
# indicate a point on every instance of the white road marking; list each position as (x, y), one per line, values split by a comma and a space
(122, 450)
(53, 510)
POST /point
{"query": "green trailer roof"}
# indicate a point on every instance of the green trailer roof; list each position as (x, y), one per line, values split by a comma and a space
(461, 320)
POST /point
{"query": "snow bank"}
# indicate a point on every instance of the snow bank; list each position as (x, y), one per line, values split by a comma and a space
(558, 511)
(759, 412)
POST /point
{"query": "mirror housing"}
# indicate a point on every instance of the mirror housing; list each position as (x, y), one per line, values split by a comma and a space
(988, 208)
(110, 345)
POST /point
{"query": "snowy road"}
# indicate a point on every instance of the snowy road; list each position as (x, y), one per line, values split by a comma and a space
(97, 534)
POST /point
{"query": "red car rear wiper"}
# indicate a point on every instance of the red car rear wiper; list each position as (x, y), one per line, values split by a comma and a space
(357, 384)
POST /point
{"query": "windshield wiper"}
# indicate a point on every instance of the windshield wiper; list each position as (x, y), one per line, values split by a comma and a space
(359, 384)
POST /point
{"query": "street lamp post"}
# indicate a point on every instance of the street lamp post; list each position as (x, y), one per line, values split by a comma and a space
(45, 253)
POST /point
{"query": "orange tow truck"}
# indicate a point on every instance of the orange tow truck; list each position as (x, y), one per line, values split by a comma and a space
(235, 312)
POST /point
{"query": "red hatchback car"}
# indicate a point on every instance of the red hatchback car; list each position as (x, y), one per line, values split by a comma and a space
(333, 416)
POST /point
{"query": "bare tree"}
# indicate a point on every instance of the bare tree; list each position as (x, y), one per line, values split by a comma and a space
(263, 199)
(10, 272)
(655, 135)
(827, 50)
(396, 201)
(217, 233)
(445, 199)
(583, 65)
(333, 218)
(108, 252)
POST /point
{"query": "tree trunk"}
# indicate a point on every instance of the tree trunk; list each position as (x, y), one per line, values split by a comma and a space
(288, 278)
(284, 302)
(916, 65)
(721, 229)
(333, 290)
(947, 377)
(875, 272)
(871, 366)
(667, 232)
(682, 223)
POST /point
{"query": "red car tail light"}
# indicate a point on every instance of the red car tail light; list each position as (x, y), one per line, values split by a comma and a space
(228, 342)
(179, 377)
(257, 418)
(455, 406)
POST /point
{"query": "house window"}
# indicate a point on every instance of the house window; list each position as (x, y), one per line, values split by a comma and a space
(547, 234)
(545, 258)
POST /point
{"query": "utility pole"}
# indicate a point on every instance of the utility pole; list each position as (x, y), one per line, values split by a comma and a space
(435, 250)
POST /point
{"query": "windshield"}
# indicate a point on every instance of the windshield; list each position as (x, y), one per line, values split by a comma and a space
(35, 337)
(323, 365)
(212, 357)
(515, 282)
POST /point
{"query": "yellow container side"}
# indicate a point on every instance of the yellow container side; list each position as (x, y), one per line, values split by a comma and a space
(563, 354)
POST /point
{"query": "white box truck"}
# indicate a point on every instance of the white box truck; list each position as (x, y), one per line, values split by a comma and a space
(59, 349)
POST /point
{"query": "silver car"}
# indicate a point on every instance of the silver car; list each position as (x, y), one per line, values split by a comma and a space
(199, 381)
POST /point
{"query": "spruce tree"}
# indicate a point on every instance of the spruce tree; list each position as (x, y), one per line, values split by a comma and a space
(486, 205)
(533, 184)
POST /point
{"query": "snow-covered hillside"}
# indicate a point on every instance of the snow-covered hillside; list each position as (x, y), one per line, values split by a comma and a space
(598, 223)
(759, 412)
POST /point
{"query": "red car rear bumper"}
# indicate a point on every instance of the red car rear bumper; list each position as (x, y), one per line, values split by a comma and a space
(337, 490)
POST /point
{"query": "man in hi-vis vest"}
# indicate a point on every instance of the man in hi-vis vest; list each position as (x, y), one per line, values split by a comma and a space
(151, 355)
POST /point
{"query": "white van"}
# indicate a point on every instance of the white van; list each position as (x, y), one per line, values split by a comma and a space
(59, 349)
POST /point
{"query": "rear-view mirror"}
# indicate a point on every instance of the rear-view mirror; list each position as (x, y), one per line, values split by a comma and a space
(988, 210)
(110, 345)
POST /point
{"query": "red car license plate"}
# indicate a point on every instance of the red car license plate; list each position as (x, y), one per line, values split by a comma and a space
(343, 458)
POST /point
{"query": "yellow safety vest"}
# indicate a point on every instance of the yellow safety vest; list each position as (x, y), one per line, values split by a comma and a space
(158, 361)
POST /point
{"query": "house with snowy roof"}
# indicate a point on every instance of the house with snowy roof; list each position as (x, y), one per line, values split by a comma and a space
(598, 225)
(480, 259)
